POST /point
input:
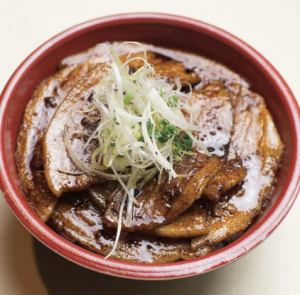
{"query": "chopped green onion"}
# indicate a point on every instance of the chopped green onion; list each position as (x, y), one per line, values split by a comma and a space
(128, 98)
(173, 101)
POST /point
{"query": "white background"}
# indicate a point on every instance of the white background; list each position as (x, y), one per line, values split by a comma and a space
(272, 27)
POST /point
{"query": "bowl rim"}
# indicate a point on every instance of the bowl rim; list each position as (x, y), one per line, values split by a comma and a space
(254, 236)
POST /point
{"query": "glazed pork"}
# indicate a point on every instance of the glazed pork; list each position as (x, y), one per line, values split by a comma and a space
(61, 173)
(80, 221)
(219, 181)
(161, 202)
(38, 114)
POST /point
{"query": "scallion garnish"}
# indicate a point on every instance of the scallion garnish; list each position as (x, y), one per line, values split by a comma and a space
(142, 128)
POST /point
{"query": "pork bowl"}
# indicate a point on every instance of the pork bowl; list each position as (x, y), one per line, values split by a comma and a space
(148, 146)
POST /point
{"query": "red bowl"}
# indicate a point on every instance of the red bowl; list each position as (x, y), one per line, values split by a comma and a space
(169, 31)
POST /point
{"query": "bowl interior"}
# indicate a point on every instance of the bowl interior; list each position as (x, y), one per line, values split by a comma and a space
(158, 32)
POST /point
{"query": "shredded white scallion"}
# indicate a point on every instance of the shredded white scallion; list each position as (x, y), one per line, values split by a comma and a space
(144, 128)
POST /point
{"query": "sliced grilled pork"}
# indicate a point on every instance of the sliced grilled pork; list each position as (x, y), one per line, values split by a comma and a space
(39, 111)
(79, 220)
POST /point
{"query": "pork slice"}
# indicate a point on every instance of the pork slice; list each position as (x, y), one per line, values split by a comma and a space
(62, 174)
(38, 113)
(164, 66)
(197, 220)
(162, 201)
(257, 143)
(193, 223)
(101, 193)
(212, 110)
(225, 224)
(79, 220)
(231, 174)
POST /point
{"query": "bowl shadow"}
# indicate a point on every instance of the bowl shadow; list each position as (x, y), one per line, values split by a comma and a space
(61, 276)
(18, 272)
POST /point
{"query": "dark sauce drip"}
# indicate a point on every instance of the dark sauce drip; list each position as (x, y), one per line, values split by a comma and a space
(50, 102)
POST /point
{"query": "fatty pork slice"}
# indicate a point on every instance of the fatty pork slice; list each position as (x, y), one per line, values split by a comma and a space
(257, 142)
(164, 65)
(197, 220)
(164, 200)
(231, 174)
(68, 130)
(77, 219)
(39, 111)
(193, 223)
(212, 110)
(101, 193)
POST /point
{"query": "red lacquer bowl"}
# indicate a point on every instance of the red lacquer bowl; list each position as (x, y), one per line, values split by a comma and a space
(169, 31)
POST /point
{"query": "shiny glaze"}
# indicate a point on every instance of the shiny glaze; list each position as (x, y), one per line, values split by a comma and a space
(216, 102)
(79, 220)
(38, 114)
(60, 171)
(36, 118)
(163, 200)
